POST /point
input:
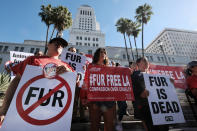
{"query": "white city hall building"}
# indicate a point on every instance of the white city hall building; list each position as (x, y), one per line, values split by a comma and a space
(175, 42)
(86, 37)
(85, 30)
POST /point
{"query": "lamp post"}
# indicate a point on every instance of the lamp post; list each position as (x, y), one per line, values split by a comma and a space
(161, 46)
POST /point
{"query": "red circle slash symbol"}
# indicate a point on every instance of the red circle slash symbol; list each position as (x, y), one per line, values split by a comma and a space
(25, 113)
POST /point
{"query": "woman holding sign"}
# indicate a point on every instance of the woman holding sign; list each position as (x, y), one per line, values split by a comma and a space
(98, 108)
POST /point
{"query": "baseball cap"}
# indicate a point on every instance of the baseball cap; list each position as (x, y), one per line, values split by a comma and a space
(59, 41)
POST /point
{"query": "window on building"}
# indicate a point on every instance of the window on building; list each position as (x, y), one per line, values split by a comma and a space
(77, 50)
(88, 44)
(1, 60)
(173, 59)
(89, 38)
(77, 37)
(32, 50)
(169, 59)
(93, 44)
(96, 45)
(90, 13)
(80, 38)
(158, 58)
(5, 49)
(90, 52)
(37, 50)
(93, 39)
(85, 38)
(124, 56)
(77, 43)
(80, 43)
(85, 44)
(151, 58)
(1, 47)
(16, 48)
(96, 39)
(22, 49)
(81, 12)
(162, 59)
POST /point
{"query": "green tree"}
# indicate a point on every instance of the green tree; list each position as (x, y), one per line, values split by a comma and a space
(62, 19)
(143, 15)
(135, 33)
(122, 26)
(59, 16)
(4, 82)
(129, 32)
(46, 16)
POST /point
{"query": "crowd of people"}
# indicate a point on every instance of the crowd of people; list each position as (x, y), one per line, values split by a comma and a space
(97, 109)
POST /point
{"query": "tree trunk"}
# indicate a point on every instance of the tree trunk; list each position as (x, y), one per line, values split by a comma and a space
(131, 47)
(126, 48)
(142, 39)
(52, 33)
(136, 46)
(45, 49)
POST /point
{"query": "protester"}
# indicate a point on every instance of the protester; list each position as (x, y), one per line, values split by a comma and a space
(72, 49)
(55, 48)
(77, 106)
(38, 53)
(141, 107)
(122, 110)
(98, 108)
(192, 77)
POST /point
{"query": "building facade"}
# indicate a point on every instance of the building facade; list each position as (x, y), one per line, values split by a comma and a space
(175, 42)
(116, 54)
(85, 30)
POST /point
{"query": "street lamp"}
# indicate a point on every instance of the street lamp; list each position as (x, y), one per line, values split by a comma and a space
(161, 46)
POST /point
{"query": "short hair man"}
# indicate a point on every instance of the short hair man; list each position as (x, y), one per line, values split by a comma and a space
(55, 48)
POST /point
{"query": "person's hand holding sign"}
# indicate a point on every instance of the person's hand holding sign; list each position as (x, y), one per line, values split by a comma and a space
(62, 69)
(145, 94)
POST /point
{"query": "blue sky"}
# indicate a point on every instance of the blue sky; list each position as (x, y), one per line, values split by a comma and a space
(20, 21)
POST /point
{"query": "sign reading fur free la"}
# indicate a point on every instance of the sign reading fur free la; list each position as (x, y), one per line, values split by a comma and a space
(41, 103)
(163, 101)
(17, 57)
(108, 83)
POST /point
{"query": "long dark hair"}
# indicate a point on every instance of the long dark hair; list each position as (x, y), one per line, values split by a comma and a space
(97, 56)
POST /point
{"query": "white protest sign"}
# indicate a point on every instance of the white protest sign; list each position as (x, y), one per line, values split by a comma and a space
(76, 61)
(40, 103)
(17, 57)
(163, 101)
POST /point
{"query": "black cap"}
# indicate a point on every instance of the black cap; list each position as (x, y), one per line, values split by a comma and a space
(59, 41)
(191, 64)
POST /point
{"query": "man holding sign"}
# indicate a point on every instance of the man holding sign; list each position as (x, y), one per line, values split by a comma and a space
(141, 107)
(55, 48)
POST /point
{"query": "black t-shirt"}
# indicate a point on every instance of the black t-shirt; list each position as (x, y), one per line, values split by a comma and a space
(138, 87)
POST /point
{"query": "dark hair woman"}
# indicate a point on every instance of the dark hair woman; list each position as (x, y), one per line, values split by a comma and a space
(99, 108)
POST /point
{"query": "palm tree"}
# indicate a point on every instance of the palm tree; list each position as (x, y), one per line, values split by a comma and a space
(62, 19)
(122, 26)
(129, 32)
(143, 15)
(4, 83)
(135, 33)
(46, 15)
